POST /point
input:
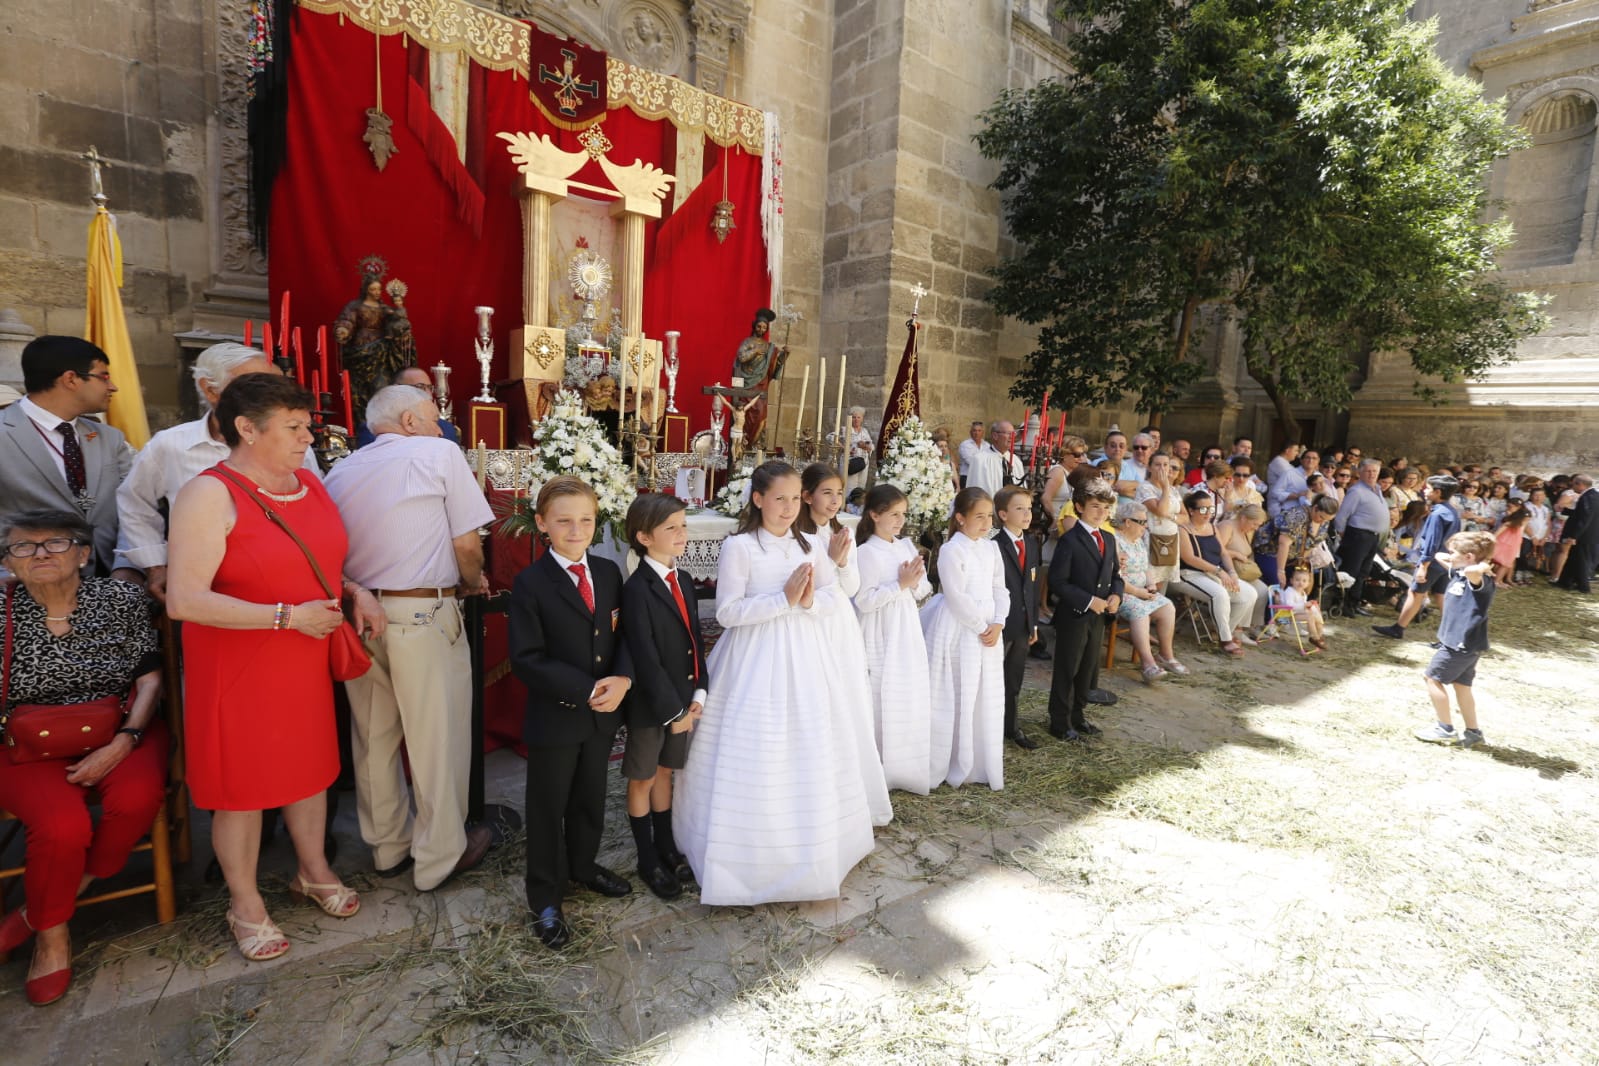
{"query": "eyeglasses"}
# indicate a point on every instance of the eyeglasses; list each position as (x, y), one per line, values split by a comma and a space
(1078, 455)
(1212, 457)
(27, 549)
(105, 376)
(1341, 477)
(1141, 447)
(1204, 510)
(1137, 521)
(1242, 477)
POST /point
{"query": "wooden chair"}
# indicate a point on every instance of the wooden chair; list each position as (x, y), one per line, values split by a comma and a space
(169, 837)
(1117, 629)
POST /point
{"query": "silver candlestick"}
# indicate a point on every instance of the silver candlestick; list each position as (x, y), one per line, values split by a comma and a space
(485, 352)
(671, 370)
(441, 390)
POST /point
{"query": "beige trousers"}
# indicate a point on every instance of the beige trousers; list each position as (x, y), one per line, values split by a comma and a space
(418, 691)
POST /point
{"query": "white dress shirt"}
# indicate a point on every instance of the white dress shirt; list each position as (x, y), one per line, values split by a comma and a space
(171, 459)
(403, 500)
(967, 451)
(988, 469)
(47, 424)
(661, 571)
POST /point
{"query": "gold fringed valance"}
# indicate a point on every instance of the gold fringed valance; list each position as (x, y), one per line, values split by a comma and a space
(501, 43)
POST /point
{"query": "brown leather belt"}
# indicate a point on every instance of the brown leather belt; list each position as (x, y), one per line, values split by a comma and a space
(427, 593)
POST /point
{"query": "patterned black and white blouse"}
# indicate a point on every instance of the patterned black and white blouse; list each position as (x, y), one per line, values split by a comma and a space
(112, 641)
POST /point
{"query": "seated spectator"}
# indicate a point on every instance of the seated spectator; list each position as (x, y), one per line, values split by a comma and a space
(1142, 600)
(1200, 471)
(75, 641)
(1208, 569)
(1241, 489)
(1237, 535)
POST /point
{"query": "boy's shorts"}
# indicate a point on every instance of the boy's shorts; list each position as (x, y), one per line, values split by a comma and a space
(1450, 667)
(650, 747)
(1436, 581)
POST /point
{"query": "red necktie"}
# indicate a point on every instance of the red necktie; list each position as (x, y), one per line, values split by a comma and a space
(1021, 556)
(1098, 541)
(682, 612)
(584, 589)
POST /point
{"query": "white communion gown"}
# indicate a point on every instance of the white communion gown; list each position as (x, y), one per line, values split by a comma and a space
(967, 679)
(843, 630)
(771, 805)
(896, 662)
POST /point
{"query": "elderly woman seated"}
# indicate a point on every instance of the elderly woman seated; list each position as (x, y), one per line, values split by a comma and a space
(72, 643)
(1142, 602)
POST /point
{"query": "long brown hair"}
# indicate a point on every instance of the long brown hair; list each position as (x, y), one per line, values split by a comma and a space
(814, 477)
(881, 498)
(749, 519)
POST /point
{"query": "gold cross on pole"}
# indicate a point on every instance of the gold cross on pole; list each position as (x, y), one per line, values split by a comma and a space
(96, 161)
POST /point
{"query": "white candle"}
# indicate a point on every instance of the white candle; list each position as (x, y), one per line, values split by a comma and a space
(838, 423)
(805, 387)
(821, 398)
(655, 407)
(621, 401)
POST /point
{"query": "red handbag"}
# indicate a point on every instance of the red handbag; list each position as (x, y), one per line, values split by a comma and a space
(347, 656)
(35, 731)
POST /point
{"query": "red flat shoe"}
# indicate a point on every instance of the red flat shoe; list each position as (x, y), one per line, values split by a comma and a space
(14, 931)
(43, 991)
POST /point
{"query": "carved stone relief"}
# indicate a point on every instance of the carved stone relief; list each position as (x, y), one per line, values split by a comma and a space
(238, 255)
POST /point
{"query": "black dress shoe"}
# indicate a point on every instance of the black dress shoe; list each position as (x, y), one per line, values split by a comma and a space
(397, 869)
(1360, 610)
(552, 929)
(1089, 729)
(1101, 696)
(677, 862)
(606, 883)
(1039, 651)
(1065, 734)
(1022, 740)
(661, 881)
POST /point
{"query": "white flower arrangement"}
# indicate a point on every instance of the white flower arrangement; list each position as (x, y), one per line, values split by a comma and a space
(735, 494)
(913, 464)
(567, 441)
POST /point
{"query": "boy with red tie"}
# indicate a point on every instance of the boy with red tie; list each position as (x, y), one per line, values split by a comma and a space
(668, 653)
(1013, 513)
(1086, 585)
(566, 646)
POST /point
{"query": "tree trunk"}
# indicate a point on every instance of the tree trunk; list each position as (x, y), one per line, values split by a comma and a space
(1279, 401)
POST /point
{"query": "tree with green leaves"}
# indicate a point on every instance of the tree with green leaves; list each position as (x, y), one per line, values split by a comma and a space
(1308, 167)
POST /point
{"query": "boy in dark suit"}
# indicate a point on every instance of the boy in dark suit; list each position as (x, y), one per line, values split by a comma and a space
(1013, 512)
(1086, 585)
(668, 653)
(567, 648)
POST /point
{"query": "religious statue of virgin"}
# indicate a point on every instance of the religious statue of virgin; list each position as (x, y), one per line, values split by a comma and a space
(374, 336)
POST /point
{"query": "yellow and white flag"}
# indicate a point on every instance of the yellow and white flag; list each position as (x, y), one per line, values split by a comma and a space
(107, 328)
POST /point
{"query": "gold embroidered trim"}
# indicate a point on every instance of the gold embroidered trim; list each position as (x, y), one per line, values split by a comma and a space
(501, 43)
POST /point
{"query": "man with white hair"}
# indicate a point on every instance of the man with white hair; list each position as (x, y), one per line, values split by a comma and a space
(418, 379)
(413, 509)
(175, 456)
(996, 464)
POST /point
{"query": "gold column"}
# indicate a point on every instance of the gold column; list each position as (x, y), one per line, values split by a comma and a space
(632, 267)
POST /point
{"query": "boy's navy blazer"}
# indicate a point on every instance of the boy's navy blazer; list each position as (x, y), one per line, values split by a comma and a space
(558, 649)
(1078, 573)
(1023, 585)
(667, 656)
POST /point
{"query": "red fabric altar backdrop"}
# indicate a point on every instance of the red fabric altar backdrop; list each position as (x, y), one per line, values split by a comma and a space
(331, 206)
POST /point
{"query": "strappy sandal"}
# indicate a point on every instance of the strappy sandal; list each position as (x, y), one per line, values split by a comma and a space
(1153, 673)
(262, 940)
(337, 902)
(1172, 666)
(1233, 649)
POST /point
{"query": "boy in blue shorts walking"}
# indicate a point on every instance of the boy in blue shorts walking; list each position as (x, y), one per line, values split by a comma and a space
(1462, 636)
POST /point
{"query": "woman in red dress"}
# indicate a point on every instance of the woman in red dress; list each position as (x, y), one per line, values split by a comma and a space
(258, 687)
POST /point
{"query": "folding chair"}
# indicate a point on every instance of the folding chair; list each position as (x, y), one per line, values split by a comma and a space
(1279, 613)
(1192, 606)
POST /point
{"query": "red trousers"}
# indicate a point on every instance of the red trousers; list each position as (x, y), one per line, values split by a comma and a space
(63, 842)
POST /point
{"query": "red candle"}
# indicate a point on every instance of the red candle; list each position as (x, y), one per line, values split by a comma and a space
(299, 356)
(283, 322)
(248, 326)
(321, 339)
(1062, 433)
(1043, 421)
(266, 338)
(349, 414)
(316, 390)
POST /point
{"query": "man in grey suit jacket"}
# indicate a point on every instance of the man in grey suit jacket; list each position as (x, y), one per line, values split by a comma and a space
(51, 456)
